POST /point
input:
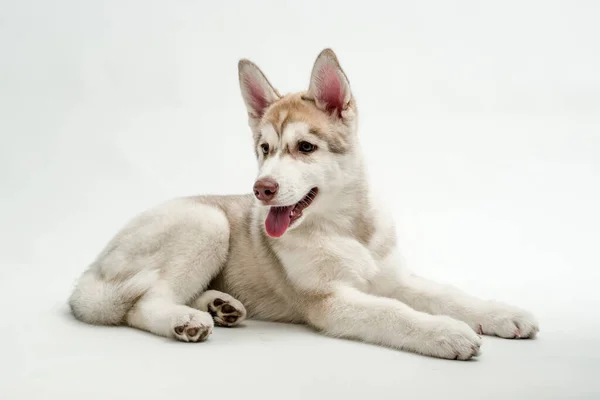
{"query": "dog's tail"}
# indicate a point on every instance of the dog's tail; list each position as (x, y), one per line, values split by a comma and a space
(101, 302)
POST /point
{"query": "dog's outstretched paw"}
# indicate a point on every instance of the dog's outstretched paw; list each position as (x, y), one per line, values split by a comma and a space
(448, 338)
(507, 322)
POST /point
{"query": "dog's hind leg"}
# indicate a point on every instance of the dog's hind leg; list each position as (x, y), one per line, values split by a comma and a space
(153, 268)
(192, 253)
(225, 310)
(159, 314)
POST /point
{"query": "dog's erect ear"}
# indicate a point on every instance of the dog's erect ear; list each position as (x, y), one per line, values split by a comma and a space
(257, 92)
(329, 86)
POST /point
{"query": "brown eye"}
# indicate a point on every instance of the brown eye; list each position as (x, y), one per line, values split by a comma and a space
(306, 147)
(265, 148)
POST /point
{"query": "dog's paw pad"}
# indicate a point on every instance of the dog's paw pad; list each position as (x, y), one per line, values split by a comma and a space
(227, 312)
(179, 329)
(192, 328)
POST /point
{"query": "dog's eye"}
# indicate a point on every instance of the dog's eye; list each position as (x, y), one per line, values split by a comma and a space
(265, 148)
(306, 147)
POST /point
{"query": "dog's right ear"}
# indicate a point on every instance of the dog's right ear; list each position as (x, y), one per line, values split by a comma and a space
(256, 90)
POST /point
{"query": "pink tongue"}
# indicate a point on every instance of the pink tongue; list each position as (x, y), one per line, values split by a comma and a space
(278, 220)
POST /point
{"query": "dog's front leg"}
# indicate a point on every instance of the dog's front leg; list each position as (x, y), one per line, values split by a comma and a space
(332, 278)
(349, 313)
(484, 316)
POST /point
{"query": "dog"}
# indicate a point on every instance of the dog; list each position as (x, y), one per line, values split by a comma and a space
(311, 245)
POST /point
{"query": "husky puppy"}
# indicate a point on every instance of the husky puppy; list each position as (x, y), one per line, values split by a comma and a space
(311, 245)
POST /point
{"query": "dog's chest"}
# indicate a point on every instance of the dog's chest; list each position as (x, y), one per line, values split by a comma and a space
(317, 263)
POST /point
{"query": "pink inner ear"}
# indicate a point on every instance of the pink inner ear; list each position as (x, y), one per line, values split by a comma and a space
(330, 89)
(257, 96)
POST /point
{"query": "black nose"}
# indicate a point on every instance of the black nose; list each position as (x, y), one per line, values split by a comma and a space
(265, 189)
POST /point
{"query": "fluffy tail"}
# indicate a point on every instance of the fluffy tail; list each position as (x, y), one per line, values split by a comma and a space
(101, 302)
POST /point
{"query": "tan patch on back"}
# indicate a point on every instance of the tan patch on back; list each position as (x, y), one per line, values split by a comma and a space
(294, 108)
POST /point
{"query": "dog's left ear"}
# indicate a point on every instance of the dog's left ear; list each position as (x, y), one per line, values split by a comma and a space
(329, 86)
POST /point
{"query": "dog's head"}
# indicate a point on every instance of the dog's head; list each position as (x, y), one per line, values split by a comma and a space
(305, 142)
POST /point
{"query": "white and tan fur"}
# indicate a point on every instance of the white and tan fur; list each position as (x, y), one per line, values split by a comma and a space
(335, 269)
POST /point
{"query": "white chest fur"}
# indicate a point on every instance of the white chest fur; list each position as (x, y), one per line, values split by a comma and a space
(315, 262)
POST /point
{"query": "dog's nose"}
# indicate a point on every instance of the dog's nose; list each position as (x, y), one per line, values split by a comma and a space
(265, 189)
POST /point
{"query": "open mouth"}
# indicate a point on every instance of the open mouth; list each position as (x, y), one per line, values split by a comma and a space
(279, 219)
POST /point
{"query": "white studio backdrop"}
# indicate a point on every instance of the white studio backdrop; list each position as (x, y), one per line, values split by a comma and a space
(480, 121)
